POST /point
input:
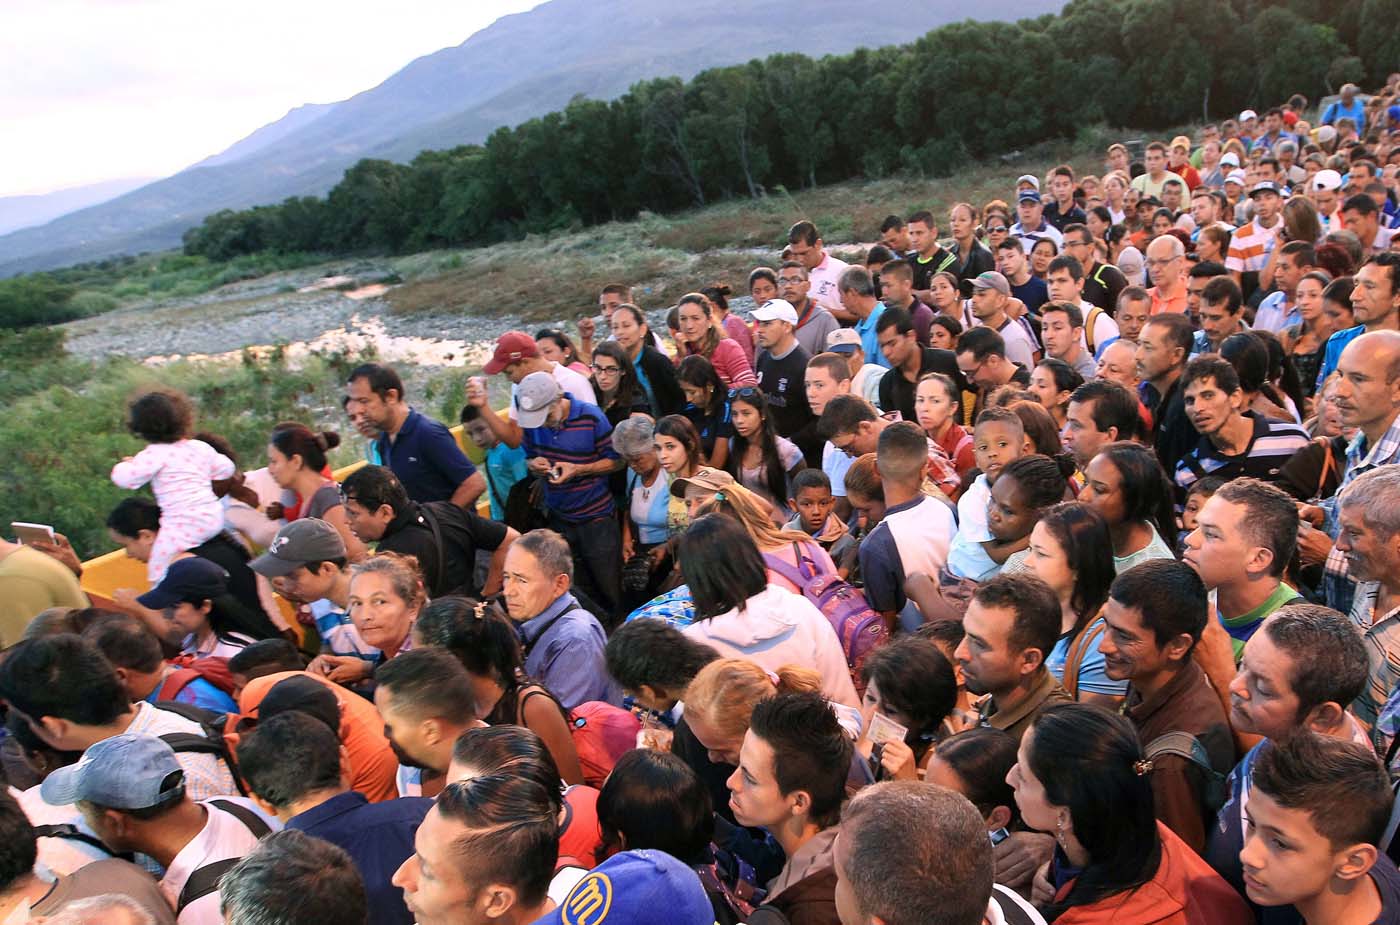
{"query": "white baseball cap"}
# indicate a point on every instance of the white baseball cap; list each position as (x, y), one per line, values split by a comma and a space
(1325, 180)
(1027, 178)
(1236, 177)
(775, 310)
(1229, 159)
(1247, 115)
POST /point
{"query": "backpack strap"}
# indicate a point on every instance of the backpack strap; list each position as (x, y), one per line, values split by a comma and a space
(251, 820)
(1185, 745)
(1329, 463)
(203, 881)
(176, 681)
(1089, 328)
(73, 833)
(431, 519)
(1088, 636)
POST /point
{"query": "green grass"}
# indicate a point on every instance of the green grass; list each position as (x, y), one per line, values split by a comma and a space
(65, 423)
(546, 277)
(64, 426)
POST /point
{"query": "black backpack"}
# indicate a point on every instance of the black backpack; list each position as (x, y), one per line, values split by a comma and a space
(210, 741)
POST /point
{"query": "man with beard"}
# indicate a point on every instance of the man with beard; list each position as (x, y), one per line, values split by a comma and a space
(426, 699)
(1012, 623)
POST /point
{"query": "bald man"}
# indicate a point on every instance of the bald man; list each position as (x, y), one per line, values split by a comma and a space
(1368, 398)
(1118, 363)
(1166, 267)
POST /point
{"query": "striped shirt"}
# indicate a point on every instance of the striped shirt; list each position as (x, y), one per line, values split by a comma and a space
(1250, 246)
(1382, 636)
(338, 633)
(1271, 445)
(584, 437)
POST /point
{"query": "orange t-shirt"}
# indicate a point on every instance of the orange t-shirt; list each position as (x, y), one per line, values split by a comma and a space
(372, 761)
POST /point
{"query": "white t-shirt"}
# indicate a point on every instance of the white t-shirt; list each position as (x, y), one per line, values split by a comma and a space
(966, 556)
(569, 381)
(823, 281)
(1020, 349)
(922, 534)
(836, 463)
(866, 384)
(223, 836)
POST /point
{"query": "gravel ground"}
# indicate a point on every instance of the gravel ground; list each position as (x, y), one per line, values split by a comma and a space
(264, 313)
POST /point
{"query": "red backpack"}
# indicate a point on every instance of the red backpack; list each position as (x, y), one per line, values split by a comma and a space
(602, 734)
(860, 629)
(213, 669)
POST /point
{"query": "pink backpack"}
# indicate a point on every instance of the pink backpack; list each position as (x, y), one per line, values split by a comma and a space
(860, 629)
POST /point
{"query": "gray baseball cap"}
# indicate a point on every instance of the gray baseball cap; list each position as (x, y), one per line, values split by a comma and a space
(129, 771)
(533, 397)
(299, 542)
(991, 279)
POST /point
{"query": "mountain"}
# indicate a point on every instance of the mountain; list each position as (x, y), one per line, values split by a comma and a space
(18, 212)
(520, 66)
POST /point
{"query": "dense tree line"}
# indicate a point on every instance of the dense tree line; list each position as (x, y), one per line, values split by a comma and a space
(963, 92)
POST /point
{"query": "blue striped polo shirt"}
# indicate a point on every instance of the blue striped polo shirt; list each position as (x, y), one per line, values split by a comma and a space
(585, 436)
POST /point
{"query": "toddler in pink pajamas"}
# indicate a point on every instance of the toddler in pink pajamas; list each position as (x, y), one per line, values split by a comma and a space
(179, 471)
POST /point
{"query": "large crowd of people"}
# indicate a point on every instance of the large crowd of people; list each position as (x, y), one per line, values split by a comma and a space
(1042, 565)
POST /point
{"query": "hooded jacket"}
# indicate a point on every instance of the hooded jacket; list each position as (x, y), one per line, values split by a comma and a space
(776, 627)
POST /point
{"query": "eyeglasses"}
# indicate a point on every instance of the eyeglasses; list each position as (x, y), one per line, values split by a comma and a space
(997, 229)
(599, 370)
(791, 280)
(1076, 244)
(1159, 264)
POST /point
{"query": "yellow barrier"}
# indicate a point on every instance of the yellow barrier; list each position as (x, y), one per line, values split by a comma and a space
(106, 573)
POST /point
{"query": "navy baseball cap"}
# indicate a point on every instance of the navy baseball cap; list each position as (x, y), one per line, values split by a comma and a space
(635, 888)
(191, 579)
(129, 771)
(1028, 195)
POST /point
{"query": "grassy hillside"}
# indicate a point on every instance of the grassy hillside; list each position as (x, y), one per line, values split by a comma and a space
(549, 277)
(64, 427)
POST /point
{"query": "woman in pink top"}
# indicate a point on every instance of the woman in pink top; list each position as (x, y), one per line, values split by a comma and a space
(703, 335)
(734, 326)
(556, 347)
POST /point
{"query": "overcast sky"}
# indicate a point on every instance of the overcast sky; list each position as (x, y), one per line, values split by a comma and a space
(102, 89)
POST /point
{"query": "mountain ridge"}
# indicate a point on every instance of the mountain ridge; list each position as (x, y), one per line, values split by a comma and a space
(458, 95)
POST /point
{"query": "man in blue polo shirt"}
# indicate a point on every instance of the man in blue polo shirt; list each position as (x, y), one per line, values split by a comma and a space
(569, 443)
(422, 452)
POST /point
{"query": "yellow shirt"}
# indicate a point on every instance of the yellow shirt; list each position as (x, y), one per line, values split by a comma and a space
(31, 581)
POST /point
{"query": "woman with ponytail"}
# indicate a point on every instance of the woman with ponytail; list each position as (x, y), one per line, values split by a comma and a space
(1081, 776)
(296, 460)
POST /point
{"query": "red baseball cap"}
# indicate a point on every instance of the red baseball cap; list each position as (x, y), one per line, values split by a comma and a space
(512, 347)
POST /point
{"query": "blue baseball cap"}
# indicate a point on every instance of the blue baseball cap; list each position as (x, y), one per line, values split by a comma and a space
(635, 888)
(129, 771)
(1028, 195)
(191, 579)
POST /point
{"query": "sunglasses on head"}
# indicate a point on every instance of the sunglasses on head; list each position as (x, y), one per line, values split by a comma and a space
(748, 391)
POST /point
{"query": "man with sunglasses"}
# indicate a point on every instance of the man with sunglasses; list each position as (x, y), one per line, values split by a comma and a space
(1103, 282)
